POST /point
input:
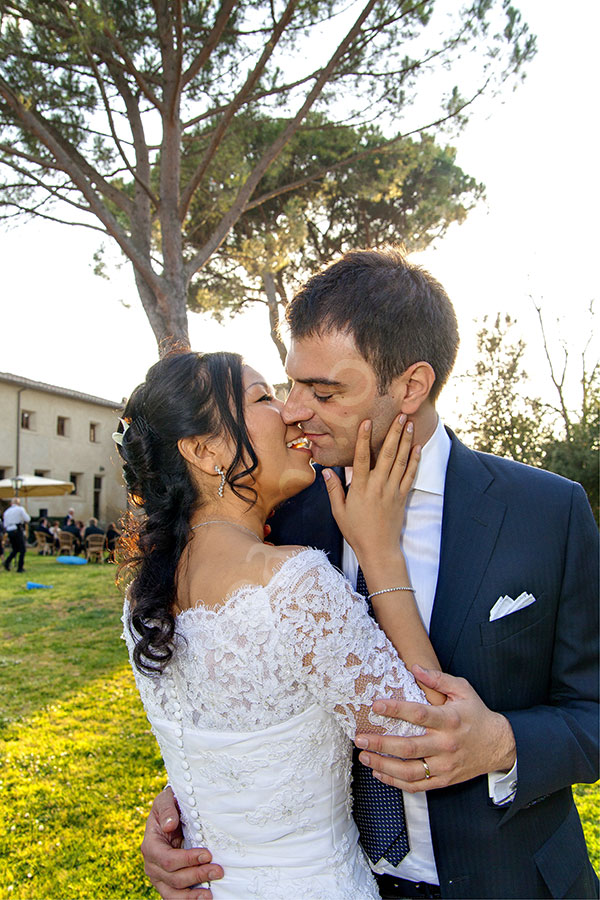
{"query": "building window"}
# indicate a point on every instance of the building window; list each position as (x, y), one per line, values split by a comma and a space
(26, 420)
(62, 426)
(42, 473)
(74, 477)
(97, 493)
(2, 474)
(94, 432)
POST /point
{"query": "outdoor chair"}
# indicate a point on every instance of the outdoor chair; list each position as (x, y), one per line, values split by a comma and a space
(44, 546)
(66, 543)
(94, 547)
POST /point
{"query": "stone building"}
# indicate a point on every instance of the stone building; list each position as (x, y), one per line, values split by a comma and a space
(59, 433)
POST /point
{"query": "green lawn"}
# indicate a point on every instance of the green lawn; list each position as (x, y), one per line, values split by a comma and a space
(78, 765)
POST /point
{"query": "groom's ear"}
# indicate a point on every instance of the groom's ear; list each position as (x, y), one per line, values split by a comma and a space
(414, 387)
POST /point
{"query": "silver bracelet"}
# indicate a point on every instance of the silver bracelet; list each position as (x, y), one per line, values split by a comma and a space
(389, 590)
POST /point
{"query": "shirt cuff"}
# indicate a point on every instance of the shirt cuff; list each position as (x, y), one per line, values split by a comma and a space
(502, 786)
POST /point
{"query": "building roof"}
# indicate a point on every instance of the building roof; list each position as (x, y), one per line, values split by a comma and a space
(30, 384)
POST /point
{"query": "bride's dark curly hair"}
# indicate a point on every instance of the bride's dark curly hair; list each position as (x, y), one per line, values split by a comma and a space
(184, 394)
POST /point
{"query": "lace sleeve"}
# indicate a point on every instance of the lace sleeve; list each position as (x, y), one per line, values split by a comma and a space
(336, 648)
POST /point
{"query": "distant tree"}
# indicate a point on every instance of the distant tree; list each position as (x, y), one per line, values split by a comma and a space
(503, 419)
(506, 421)
(576, 453)
(410, 192)
(100, 98)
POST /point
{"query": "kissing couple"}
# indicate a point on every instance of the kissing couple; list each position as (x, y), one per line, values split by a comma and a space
(260, 664)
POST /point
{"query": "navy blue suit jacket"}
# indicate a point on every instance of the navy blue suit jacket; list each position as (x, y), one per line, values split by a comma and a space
(508, 528)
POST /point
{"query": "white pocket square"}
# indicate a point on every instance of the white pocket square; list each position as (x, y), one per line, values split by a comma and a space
(504, 606)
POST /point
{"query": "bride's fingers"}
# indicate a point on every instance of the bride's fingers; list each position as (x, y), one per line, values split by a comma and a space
(337, 497)
(361, 465)
(407, 479)
(403, 453)
(390, 448)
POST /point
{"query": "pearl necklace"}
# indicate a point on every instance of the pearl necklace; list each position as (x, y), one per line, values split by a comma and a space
(227, 522)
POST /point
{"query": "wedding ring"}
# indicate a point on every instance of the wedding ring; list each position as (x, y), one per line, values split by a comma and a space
(426, 767)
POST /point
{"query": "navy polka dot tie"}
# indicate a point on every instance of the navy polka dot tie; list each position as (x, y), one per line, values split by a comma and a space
(378, 808)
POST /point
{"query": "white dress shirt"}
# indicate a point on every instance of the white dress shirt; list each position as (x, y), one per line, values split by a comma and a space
(15, 515)
(421, 542)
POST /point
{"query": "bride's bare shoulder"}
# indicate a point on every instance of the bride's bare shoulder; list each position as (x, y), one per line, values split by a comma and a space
(222, 574)
(273, 558)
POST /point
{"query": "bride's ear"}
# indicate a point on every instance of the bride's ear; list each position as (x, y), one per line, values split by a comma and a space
(200, 453)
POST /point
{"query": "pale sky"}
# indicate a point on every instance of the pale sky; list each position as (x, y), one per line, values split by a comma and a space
(534, 149)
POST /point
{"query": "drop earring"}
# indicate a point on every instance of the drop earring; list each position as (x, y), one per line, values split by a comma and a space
(220, 472)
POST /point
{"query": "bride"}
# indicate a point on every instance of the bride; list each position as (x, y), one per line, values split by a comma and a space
(258, 664)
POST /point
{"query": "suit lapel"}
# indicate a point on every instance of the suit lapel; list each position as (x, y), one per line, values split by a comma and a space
(470, 524)
(321, 528)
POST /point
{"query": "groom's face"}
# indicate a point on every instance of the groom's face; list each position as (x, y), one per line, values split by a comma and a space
(334, 390)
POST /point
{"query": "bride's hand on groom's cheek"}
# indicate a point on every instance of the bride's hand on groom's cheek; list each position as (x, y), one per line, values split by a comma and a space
(171, 870)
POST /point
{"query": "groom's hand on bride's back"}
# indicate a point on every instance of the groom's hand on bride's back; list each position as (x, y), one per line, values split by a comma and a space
(171, 870)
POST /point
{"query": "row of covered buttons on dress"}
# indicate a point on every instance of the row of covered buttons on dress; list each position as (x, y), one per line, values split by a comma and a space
(190, 800)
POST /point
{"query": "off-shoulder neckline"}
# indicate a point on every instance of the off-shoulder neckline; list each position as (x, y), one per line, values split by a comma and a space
(243, 588)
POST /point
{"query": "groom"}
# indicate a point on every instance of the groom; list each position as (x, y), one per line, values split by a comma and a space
(481, 805)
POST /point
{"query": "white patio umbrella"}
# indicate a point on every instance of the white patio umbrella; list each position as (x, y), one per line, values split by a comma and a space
(34, 486)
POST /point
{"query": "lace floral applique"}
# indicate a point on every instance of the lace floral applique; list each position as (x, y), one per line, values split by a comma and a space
(218, 839)
(291, 798)
(289, 669)
(236, 772)
(345, 660)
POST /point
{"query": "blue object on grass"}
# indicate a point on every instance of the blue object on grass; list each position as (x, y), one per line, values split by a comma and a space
(71, 560)
(33, 584)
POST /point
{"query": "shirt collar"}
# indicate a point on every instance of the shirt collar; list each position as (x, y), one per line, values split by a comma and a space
(431, 474)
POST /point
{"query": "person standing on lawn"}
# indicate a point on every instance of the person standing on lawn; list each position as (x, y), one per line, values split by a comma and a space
(15, 519)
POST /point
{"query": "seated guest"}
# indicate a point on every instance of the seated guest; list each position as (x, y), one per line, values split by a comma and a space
(92, 528)
(74, 530)
(42, 525)
(69, 519)
(55, 531)
(112, 536)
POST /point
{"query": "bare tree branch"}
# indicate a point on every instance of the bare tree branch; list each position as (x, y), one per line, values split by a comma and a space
(559, 385)
(381, 148)
(253, 98)
(35, 125)
(35, 212)
(211, 42)
(108, 110)
(57, 192)
(275, 149)
(235, 104)
(133, 70)
(66, 156)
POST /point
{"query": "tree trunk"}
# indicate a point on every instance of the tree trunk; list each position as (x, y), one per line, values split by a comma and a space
(170, 328)
(269, 286)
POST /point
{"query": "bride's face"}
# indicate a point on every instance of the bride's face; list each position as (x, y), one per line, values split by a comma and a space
(283, 455)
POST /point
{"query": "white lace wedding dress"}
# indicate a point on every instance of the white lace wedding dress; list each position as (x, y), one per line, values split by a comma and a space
(254, 716)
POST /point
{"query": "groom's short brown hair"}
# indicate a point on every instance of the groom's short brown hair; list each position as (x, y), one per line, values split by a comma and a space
(397, 313)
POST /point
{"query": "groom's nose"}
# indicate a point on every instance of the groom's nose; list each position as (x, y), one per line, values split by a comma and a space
(295, 408)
